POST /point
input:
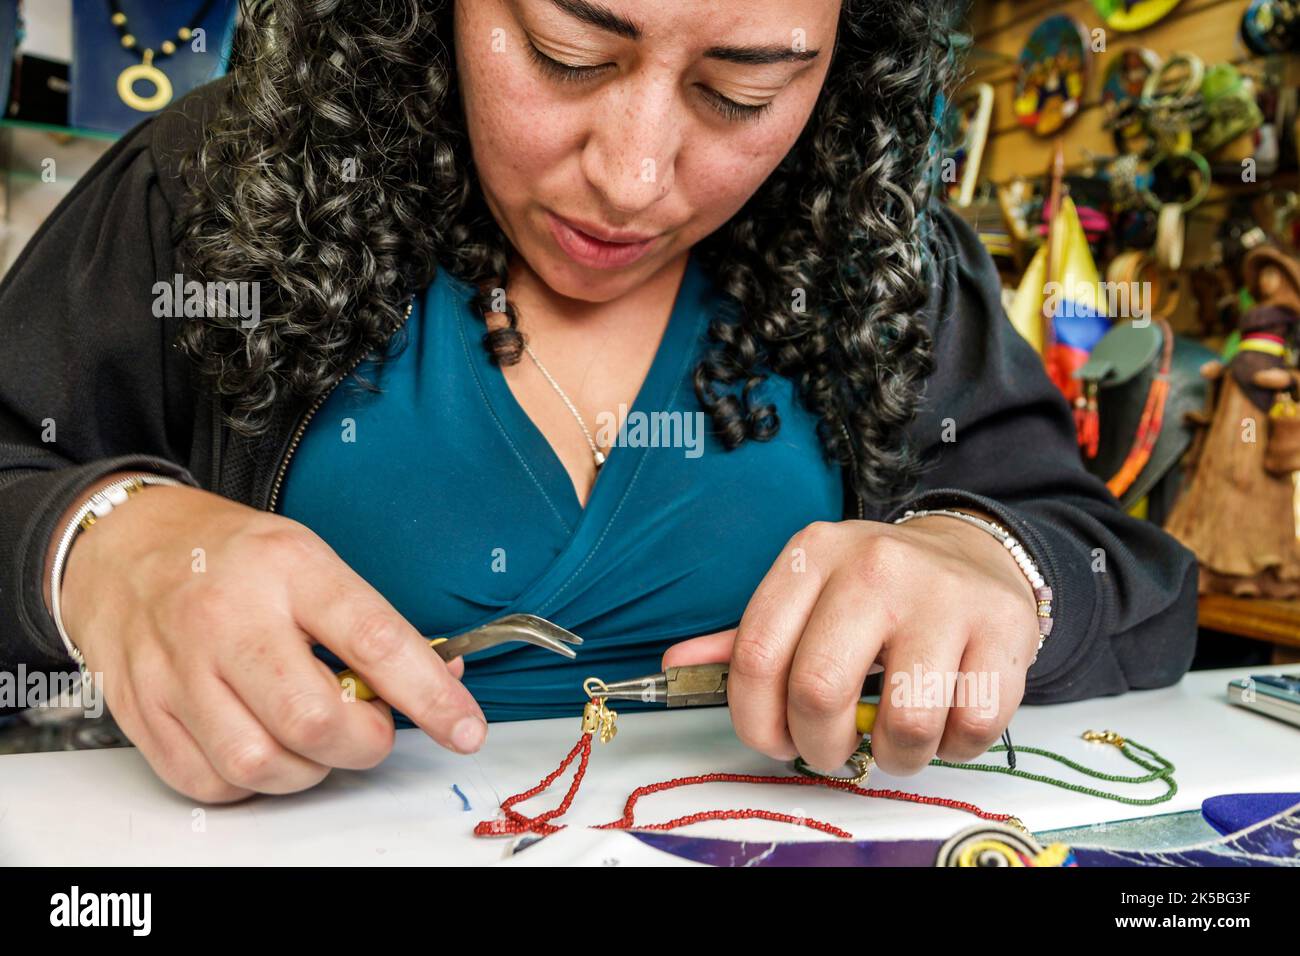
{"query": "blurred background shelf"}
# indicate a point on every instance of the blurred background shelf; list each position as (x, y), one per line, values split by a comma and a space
(69, 131)
(1277, 622)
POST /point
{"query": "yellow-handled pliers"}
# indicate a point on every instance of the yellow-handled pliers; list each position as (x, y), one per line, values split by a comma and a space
(695, 685)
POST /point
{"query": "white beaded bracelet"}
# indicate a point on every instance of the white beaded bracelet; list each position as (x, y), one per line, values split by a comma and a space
(91, 510)
(1042, 593)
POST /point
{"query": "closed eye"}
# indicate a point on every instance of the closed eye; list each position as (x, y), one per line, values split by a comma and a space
(730, 109)
(562, 71)
(567, 73)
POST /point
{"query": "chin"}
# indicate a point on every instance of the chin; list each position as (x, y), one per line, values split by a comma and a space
(573, 281)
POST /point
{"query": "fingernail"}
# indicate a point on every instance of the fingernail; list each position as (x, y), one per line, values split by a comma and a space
(467, 736)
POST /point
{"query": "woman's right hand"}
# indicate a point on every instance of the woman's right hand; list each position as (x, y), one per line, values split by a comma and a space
(200, 614)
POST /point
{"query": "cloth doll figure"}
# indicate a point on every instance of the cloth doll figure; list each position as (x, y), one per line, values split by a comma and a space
(1238, 510)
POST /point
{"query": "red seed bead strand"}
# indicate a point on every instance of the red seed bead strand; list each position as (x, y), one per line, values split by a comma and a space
(516, 822)
(519, 823)
(934, 802)
(738, 815)
(627, 821)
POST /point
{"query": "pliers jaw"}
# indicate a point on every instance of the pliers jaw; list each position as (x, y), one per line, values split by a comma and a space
(527, 628)
(692, 685)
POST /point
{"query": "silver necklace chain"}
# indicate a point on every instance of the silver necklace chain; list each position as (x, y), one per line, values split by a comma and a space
(597, 455)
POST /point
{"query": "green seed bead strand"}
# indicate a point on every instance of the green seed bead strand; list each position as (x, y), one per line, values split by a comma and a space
(1163, 773)
(1162, 769)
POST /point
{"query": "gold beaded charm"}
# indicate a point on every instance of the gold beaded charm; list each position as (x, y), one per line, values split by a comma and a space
(596, 717)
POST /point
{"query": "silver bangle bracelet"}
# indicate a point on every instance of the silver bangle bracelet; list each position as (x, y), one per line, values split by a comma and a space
(1042, 593)
(91, 510)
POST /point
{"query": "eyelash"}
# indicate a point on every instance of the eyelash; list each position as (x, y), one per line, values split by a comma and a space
(729, 109)
(558, 70)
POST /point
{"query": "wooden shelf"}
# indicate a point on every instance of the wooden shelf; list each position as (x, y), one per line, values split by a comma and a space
(69, 131)
(1275, 621)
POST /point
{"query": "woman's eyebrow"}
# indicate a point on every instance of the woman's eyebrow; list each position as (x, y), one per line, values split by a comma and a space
(606, 19)
(758, 55)
(600, 17)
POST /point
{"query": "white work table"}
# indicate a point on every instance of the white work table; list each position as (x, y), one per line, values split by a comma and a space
(106, 807)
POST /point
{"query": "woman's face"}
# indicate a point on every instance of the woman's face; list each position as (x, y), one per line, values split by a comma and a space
(679, 112)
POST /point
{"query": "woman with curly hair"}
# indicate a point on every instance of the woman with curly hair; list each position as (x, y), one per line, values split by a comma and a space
(638, 316)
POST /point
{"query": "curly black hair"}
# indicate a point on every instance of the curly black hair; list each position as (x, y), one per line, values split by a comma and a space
(337, 173)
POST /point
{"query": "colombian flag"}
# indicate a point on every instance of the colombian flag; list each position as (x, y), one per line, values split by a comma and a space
(1070, 295)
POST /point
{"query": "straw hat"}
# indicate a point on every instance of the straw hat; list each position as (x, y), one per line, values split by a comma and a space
(1262, 256)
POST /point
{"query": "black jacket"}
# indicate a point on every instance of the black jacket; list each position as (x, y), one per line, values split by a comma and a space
(81, 348)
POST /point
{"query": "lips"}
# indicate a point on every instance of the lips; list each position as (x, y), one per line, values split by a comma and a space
(613, 236)
(609, 250)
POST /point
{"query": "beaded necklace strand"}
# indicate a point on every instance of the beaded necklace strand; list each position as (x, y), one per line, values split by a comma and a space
(514, 822)
(1161, 770)
(599, 719)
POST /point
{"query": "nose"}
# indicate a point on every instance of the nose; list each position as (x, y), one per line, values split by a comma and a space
(631, 156)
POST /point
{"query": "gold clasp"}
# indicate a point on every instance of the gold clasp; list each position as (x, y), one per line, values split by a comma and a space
(1104, 737)
(861, 764)
(860, 760)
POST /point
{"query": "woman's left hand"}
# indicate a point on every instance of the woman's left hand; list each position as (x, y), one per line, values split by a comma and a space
(939, 603)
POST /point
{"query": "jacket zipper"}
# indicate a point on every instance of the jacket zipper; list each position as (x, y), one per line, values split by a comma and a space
(853, 458)
(315, 407)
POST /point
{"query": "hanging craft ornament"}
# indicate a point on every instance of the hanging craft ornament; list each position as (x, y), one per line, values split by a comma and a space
(1129, 15)
(1231, 115)
(1271, 26)
(966, 131)
(1172, 102)
(146, 71)
(1152, 420)
(1120, 360)
(1171, 216)
(599, 720)
(1121, 94)
(1052, 73)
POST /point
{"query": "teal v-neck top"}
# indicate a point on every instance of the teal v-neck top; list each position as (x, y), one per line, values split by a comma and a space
(443, 495)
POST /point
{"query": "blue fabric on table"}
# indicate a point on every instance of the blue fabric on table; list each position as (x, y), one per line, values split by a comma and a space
(1231, 812)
